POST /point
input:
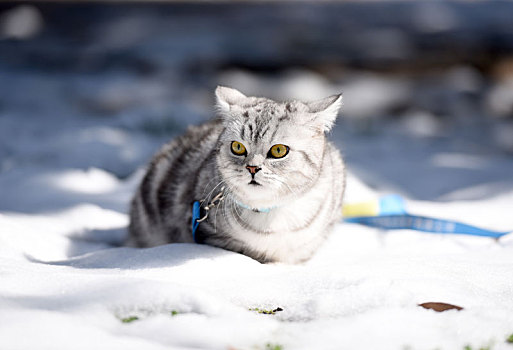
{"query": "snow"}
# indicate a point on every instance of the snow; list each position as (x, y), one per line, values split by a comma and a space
(65, 284)
(68, 171)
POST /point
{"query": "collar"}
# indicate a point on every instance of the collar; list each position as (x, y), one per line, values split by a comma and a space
(200, 210)
(257, 210)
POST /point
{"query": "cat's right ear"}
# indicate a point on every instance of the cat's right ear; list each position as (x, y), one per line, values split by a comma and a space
(326, 110)
(227, 97)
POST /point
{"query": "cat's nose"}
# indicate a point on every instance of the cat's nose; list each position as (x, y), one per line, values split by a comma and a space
(253, 169)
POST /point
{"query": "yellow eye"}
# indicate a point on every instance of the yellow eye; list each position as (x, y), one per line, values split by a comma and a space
(278, 151)
(238, 148)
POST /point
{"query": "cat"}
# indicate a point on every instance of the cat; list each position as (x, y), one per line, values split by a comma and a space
(269, 183)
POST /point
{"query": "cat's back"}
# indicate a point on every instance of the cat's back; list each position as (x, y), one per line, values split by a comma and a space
(161, 199)
(193, 144)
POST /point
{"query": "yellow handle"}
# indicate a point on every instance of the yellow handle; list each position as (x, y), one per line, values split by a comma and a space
(370, 208)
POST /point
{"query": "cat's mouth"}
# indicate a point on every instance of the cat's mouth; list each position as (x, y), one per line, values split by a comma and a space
(254, 183)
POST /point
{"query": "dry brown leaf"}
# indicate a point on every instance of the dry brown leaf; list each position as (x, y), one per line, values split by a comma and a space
(440, 307)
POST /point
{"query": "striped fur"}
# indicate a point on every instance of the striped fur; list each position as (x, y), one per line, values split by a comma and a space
(303, 190)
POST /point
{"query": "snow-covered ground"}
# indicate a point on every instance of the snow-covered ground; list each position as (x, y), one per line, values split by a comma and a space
(72, 149)
(66, 286)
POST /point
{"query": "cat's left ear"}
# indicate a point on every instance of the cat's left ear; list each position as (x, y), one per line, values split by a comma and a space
(326, 110)
(227, 97)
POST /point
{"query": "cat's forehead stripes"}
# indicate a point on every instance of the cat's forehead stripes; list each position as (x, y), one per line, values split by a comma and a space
(263, 119)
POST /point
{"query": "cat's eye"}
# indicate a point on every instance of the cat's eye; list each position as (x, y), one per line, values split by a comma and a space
(278, 151)
(238, 148)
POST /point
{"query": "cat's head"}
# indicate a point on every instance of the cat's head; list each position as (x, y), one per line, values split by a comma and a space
(271, 151)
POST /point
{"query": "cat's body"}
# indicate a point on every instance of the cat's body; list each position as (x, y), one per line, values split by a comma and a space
(281, 181)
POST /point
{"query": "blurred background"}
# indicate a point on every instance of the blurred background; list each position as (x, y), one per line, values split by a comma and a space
(428, 85)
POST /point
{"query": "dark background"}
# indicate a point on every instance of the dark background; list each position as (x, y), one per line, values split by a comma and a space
(428, 85)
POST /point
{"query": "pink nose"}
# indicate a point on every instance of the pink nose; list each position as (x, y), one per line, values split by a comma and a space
(253, 169)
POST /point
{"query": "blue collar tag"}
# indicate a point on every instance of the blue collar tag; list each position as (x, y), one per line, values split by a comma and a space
(197, 210)
(196, 214)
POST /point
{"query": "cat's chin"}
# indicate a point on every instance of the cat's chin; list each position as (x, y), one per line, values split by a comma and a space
(255, 195)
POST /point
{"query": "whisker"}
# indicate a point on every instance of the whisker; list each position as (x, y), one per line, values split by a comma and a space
(220, 182)
(225, 207)
(205, 188)
(210, 193)
(215, 220)
(222, 207)
(234, 208)
(286, 184)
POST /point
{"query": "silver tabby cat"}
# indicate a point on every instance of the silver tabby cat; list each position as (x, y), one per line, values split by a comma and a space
(279, 181)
